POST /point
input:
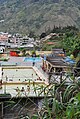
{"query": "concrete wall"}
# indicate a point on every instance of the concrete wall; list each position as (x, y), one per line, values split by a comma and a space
(40, 52)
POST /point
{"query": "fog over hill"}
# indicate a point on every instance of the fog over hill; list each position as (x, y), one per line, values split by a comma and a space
(38, 15)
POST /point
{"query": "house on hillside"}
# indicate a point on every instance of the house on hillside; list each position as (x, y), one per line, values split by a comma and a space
(51, 35)
(50, 43)
(4, 39)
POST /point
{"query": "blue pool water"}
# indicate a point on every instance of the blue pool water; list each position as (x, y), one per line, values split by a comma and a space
(33, 59)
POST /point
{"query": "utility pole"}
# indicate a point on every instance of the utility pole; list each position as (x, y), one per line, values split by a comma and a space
(61, 75)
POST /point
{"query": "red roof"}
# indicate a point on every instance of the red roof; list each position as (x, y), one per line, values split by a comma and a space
(50, 43)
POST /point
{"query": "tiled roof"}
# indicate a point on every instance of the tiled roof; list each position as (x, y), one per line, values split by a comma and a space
(56, 60)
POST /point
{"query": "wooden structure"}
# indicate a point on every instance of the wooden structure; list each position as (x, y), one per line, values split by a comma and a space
(55, 62)
(54, 65)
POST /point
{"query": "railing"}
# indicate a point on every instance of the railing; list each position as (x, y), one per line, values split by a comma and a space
(68, 76)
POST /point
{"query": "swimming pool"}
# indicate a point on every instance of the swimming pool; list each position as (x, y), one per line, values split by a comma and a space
(23, 77)
(33, 59)
(19, 74)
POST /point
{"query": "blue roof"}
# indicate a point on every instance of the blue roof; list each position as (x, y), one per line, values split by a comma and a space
(69, 60)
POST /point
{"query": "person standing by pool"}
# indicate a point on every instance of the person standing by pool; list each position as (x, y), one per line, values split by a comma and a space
(33, 63)
(23, 92)
(18, 91)
(2, 72)
(32, 76)
(28, 89)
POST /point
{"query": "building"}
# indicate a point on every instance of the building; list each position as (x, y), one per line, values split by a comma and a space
(3, 38)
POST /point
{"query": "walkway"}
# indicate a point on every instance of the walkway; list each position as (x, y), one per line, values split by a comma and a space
(41, 75)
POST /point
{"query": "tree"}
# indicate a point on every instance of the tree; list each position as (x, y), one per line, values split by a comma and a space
(71, 43)
(42, 35)
(31, 34)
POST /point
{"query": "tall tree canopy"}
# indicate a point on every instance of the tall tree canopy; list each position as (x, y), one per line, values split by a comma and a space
(71, 44)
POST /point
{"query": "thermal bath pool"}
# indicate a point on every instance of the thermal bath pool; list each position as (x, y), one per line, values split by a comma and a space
(22, 81)
(19, 74)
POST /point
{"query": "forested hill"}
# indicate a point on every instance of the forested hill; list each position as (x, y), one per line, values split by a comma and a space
(38, 15)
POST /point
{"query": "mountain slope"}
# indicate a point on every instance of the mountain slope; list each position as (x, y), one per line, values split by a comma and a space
(38, 15)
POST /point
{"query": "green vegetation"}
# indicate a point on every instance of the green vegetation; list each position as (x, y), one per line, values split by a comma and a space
(46, 47)
(4, 59)
(71, 44)
(64, 102)
(5, 95)
(37, 16)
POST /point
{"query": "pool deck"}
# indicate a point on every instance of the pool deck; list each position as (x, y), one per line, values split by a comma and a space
(41, 75)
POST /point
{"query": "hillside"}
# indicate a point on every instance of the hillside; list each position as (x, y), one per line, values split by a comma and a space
(38, 16)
